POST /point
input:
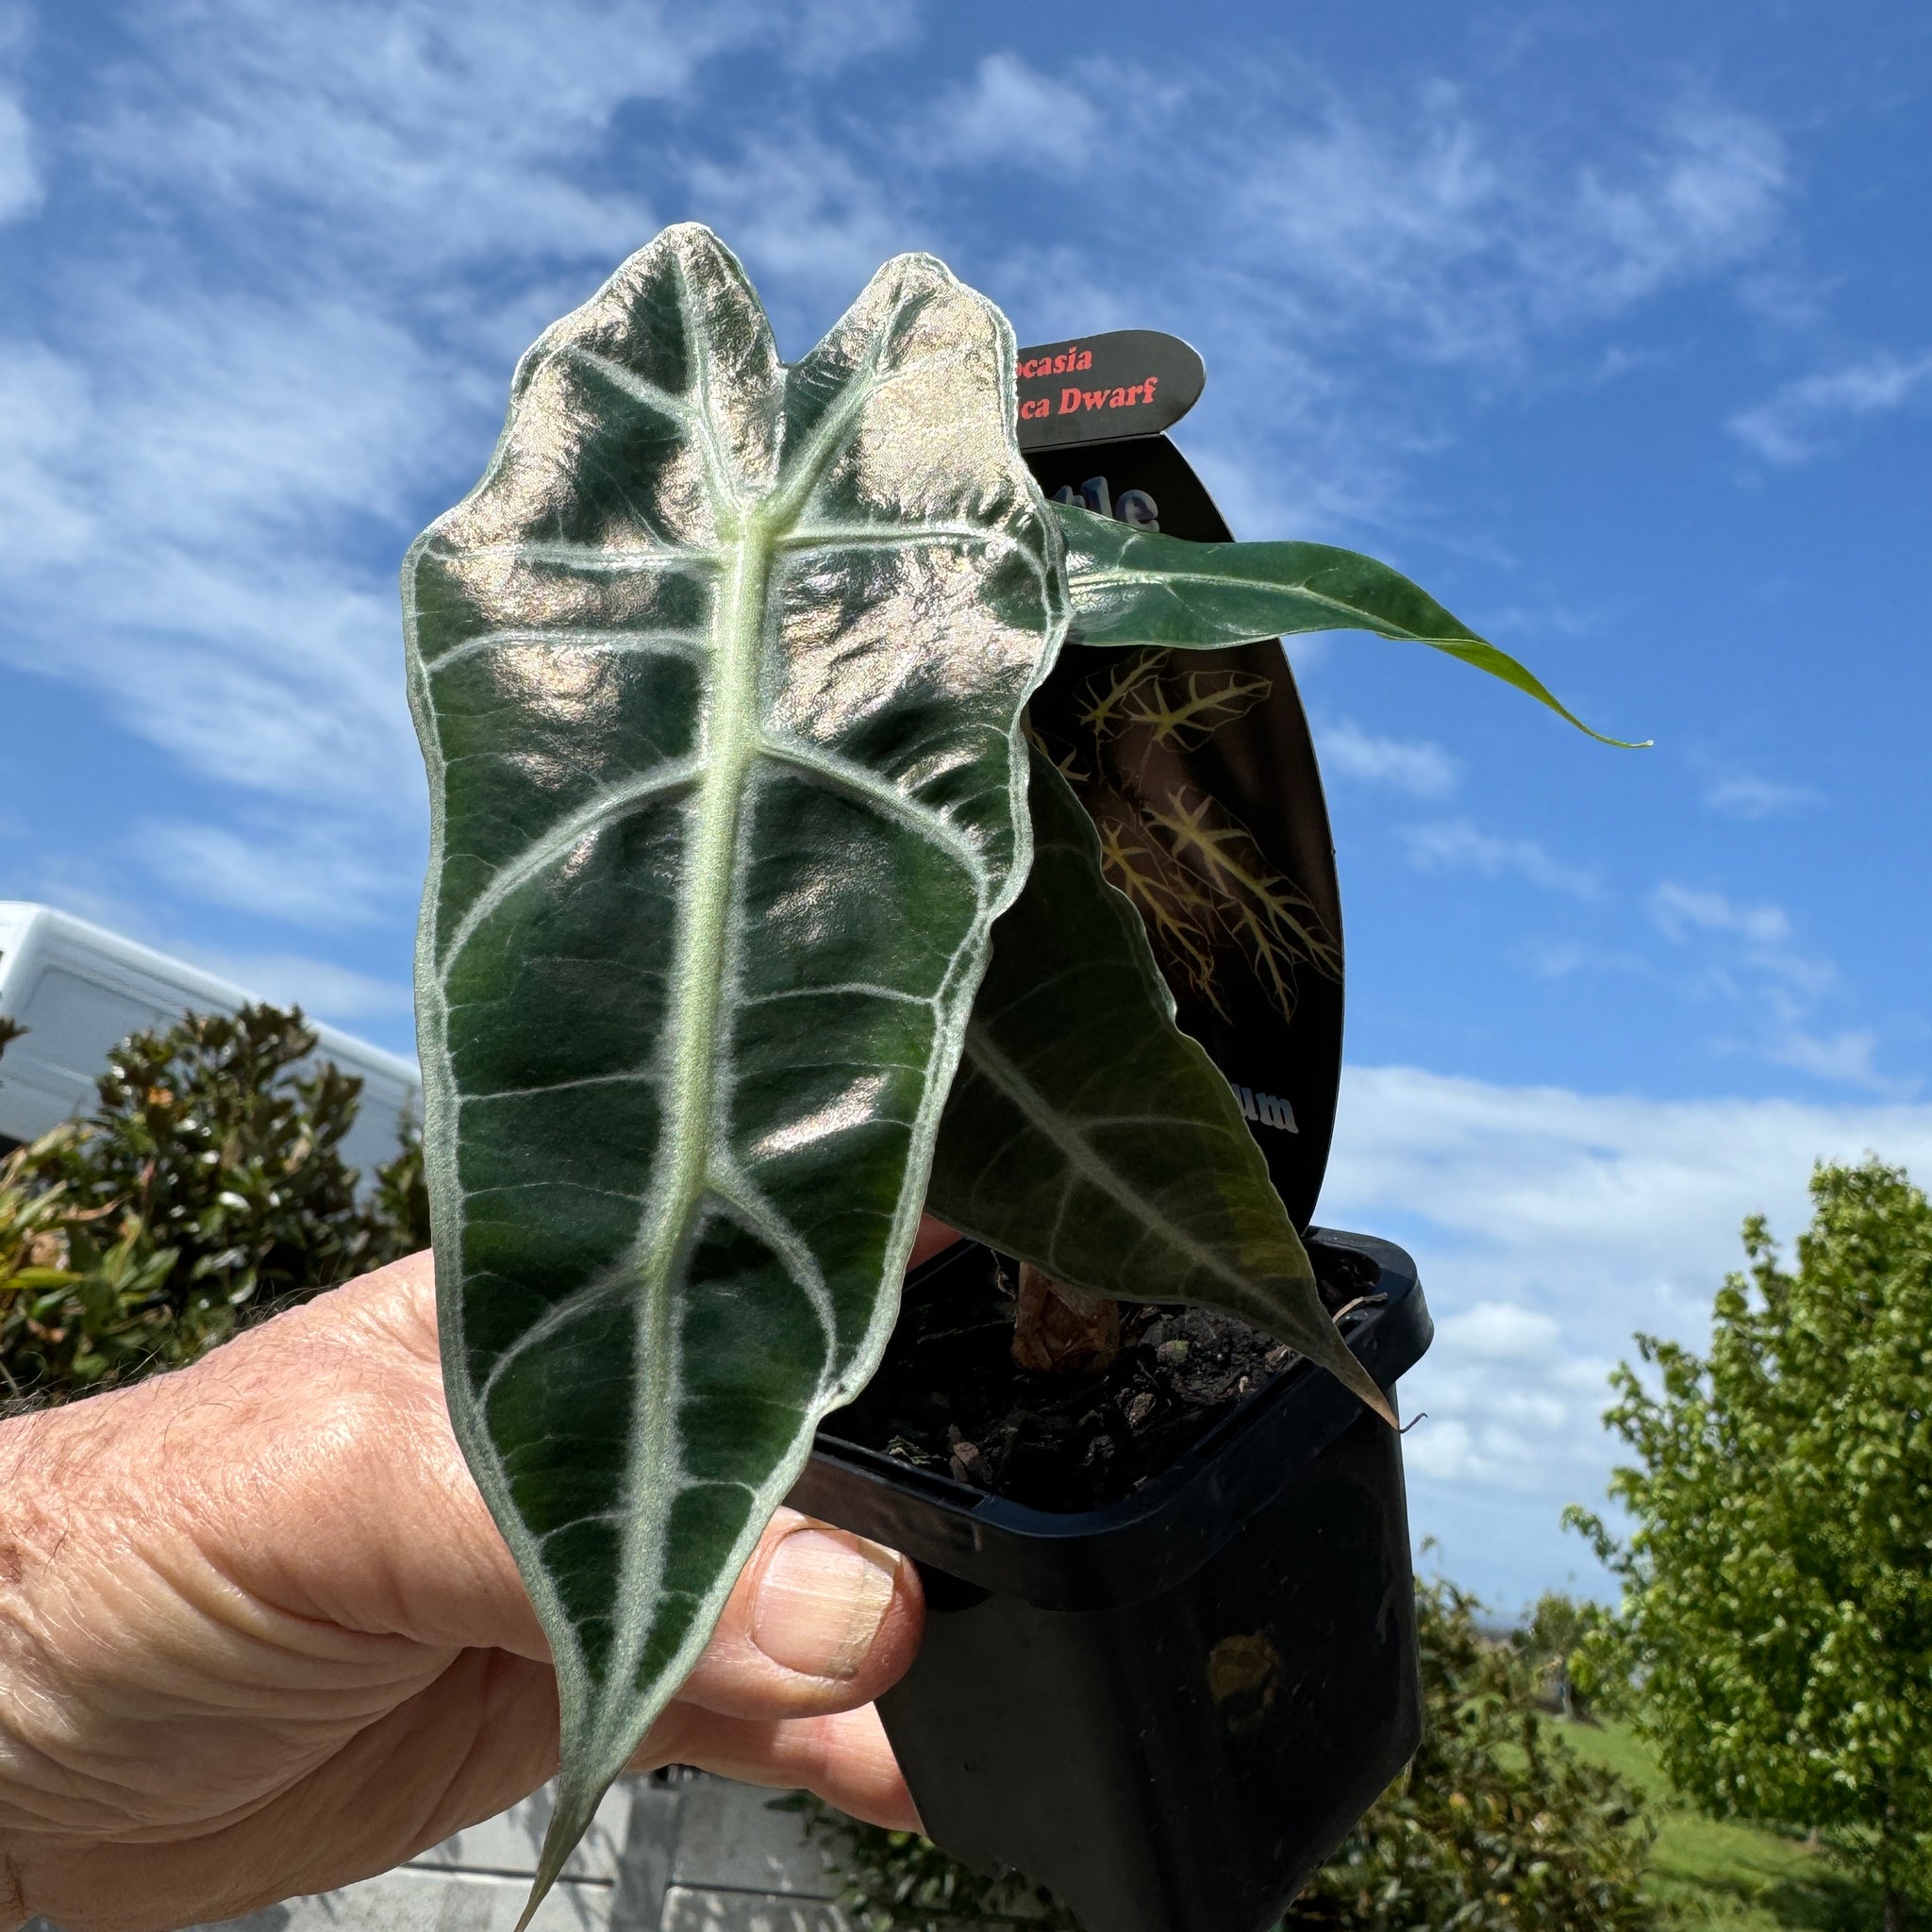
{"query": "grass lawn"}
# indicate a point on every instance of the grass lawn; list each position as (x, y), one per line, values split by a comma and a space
(1733, 1876)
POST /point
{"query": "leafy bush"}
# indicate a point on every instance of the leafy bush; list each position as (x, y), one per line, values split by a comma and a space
(207, 1190)
(897, 1881)
(1495, 1827)
(1777, 1576)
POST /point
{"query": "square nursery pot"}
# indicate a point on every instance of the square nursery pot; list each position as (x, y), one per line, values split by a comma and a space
(1172, 1708)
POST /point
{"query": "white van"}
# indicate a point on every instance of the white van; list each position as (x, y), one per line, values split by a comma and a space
(80, 990)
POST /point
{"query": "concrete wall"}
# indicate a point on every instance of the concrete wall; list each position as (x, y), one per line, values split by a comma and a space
(677, 1852)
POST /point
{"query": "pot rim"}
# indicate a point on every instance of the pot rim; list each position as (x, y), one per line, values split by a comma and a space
(1153, 1540)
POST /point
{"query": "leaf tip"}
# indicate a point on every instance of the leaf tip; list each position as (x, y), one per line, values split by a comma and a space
(568, 1824)
(1341, 1362)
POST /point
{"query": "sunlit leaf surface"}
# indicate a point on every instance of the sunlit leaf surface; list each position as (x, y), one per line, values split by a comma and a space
(1087, 1134)
(1138, 589)
(718, 674)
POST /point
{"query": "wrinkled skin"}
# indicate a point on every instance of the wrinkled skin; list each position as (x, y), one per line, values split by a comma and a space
(259, 1637)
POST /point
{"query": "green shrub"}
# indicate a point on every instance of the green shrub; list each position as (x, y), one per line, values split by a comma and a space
(207, 1190)
(1495, 1827)
(897, 1881)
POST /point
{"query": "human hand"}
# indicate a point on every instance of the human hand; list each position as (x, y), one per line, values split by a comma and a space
(258, 1635)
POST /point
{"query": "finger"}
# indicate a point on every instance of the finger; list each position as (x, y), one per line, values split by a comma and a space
(842, 1755)
(331, 1420)
(821, 1620)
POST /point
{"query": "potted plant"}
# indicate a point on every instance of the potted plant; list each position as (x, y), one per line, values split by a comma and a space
(755, 924)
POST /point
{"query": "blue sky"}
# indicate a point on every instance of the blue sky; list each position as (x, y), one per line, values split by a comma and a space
(1608, 323)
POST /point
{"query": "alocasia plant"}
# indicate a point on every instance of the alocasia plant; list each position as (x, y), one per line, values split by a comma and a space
(721, 675)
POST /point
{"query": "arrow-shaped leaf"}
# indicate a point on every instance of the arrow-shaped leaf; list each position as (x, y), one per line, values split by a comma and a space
(1087, 1134)
(718, 674)
(1138, 589)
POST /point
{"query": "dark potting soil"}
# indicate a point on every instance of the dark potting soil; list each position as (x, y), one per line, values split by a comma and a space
(948, 1397)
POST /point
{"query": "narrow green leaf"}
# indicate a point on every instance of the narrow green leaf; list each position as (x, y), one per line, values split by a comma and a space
(1088, 1134)
(1138, 589)
(718, 674)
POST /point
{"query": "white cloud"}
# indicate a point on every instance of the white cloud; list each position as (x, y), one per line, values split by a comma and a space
(1844, 1058)
(811, 219)
(210, 483)
(1548, 1225)
(1739, 795)
(1797, 421)
(335, 994)
(1681, 909)
(1456, 845)
(1416, 766)
(20, 189)
(317, 876)
(1766, 939)
(1704, 196)
(1434, 222)
(1009, 113)
(1750, 955)
(822, 36)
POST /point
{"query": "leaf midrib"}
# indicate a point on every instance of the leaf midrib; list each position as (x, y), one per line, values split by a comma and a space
(755, 529)
(1118, 577)
(1010, 1079)
(686, 1131)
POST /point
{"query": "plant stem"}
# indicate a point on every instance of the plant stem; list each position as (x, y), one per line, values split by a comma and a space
(1059, 1331)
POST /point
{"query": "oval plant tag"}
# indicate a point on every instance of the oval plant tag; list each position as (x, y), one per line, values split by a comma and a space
(1094, 388)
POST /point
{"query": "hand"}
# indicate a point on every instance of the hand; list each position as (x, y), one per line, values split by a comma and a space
(258, 1635)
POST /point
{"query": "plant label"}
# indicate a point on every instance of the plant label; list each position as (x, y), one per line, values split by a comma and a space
(1098, 388)
(1198, 770)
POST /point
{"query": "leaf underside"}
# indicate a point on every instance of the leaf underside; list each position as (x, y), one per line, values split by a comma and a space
(1087, 1134)
(718, 674)
(1139, 589)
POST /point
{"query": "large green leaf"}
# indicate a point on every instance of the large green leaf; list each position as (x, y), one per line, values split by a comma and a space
(718, 674)
(1087, 1134)
(1135, 588)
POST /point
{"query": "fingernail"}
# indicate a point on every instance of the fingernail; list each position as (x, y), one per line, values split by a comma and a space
(821, 1600)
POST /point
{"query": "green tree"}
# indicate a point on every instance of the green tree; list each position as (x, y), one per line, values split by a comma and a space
(1554, 1643)
(1777, 1607)
(207, 1188)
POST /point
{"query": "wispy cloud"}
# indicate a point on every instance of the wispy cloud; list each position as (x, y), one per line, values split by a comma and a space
(1680, 910)
(1416, 766)
(322, 991)
(811, 217)
(209, 484)
(1842, 1059)
(20, 178)
(317, 875)
(1456, 845)
(1759, 935)
(1798, 421)
(1009, 114)
(1549, 1224)
(300, 247)
(1436, 223)
(1751, 955)
(1743, 796)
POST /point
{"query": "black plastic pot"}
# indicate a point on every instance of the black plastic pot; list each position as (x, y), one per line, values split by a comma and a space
(1172, 1709)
